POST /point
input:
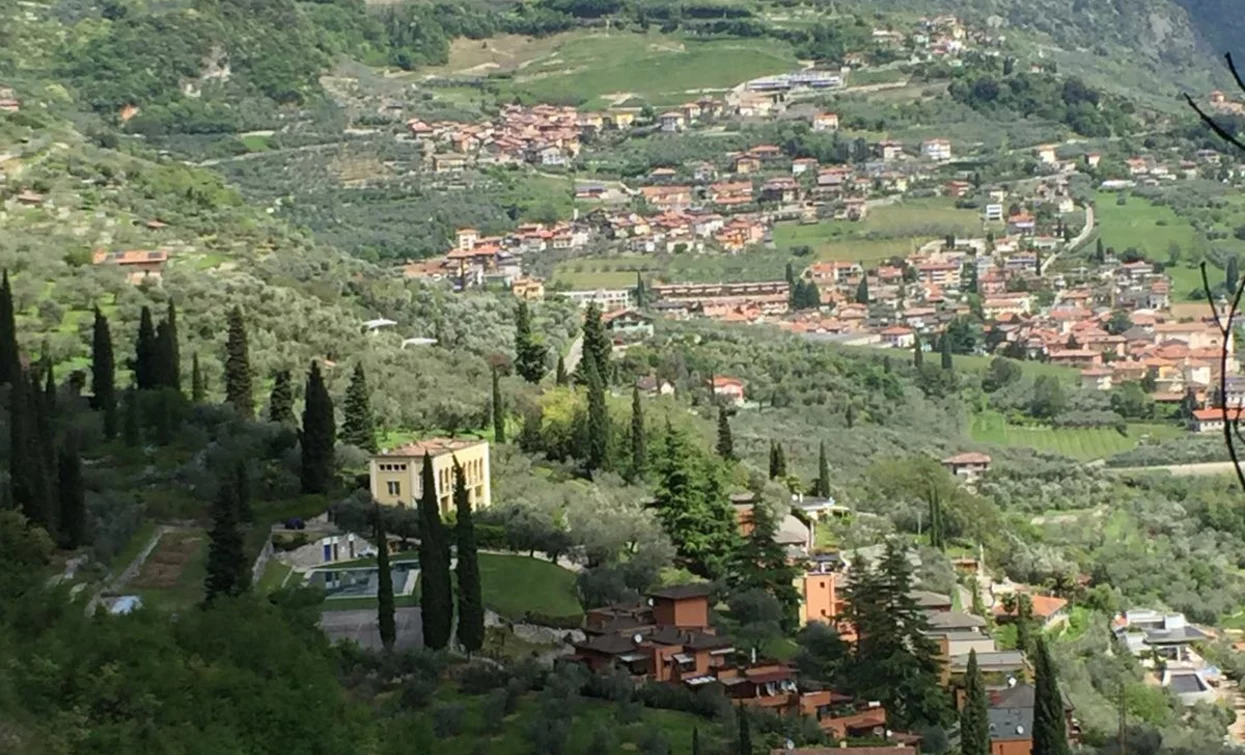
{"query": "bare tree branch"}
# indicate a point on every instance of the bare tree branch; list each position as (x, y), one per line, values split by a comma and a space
(1231, 432)
(1223, 134)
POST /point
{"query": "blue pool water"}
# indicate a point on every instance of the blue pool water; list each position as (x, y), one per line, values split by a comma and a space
(362, 581)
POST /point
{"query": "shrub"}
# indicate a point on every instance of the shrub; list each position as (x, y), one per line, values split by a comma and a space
(495, 707)
(447, 720)
(481, 677)
(417, 692)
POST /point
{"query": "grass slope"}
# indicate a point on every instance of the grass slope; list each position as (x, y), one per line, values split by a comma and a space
(1083, 443)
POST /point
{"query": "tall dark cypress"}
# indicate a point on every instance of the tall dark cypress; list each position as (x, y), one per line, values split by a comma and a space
(384, 586)
(975, 717)
(560, 377)
(131, 426)
(918, 352)
(45, 438)
(695, 741)
(242, 491)
(319, 434)
(198, 382)
(146, 353)
(358, 425)
(821, 486)
(10, 355)
(639, 452)
(103, 375)
(238, 385)
(745, 734)
(777, 461)
(726, 444)
(169, 350)
(529, 359)
(1050, 734)
(436, 599)
(72, 496)
(27, 488)
(227, 572)
(597, 453)
(596, 346)
(281, 402)
(945, 344)
(499, 411)
(470, 600)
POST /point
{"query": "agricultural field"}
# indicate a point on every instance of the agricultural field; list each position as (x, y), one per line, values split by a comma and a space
(1082, 443)
(1140, 224)
(619, 271)
(172, 576)
(602, 69)
(889, 231)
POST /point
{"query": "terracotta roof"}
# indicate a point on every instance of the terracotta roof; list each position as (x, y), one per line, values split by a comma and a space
(1211, 415)
(967, 458)
(434, 446)
(1044, 606)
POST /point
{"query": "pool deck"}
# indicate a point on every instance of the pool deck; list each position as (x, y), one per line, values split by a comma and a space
(361, 627)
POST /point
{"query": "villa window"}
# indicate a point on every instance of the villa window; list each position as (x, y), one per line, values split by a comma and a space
(395, 487)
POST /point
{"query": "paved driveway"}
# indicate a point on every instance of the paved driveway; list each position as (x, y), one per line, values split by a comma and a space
(361, 626)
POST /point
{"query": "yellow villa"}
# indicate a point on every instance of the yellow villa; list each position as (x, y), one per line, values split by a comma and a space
(395, 473)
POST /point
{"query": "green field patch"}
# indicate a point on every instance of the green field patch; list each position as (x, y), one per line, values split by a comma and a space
(1142, 225)
(894, 230)
(172, 576)
(514, 585)
(1082, 443)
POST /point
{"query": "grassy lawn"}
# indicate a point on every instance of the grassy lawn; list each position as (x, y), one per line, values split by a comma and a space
(973, 363)
(135, 546)
(619, 271)
(274, 576)
(1186, 280)
(172, 576)
(888, 231)
(1140, 224)
(1084, 443)
(513, 585)
(601, 69)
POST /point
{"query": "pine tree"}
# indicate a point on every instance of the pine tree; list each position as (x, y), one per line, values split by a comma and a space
(198, 382)
(146, 353)
(945, 343)
(821, 486)
(693, 507)
(1050, 734)
(974, 718)
(72, 496)
(281, 400)
(639, 454)
(597, 451)
(242, 491)
(226, 561)
(745, 736)
(319, 433)
(358, 425)
(103, 375)
(238, 386)
(918, 352)
(560, 377)
(596, 346)
(761, 563)
(10, 355)
(131, 428)
(436, 599)
(384, 586)
(862, 290)
(726, 444)
(499, 411)
(470, 602)
(529, 359)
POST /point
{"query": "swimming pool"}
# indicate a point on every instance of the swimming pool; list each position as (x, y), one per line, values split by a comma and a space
(363, 581)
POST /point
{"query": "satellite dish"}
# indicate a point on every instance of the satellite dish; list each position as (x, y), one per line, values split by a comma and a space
(637, 638)
(1011, 681)
(1020, 730)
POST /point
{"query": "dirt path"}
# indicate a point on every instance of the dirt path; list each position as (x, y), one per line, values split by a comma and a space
(115, 582)
(1184, 470)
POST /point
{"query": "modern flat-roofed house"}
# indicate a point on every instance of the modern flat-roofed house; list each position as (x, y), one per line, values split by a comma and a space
(1153, 634)
(396, 478)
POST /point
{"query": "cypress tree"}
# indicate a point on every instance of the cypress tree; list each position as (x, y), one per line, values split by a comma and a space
(168, 352)
(849, 416)
(745, 735)
(131, 430)
(384, 586)
(598, 430)
(226, 561)
(26, 481)
(945, 344)
(198, 383)
(71, 495)
(639, 461)
(1050, 735)
(529, 352)
(238, 388)
(821, 486)
(862, 290)
(470, 602)
(146, 353)
(695, 741)
(974, 718)
(777, 461)
(726, 444)
(918, 352)
(436, 600)
(49, 388)
(641, 292)
(45, 438)
(319, 432)
(10, 355)
(1232, 274)
(103, 374)
(596, 346)
(242, 491)
(499, 412)
(281, 401)
(560, 377)
(358, 425)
